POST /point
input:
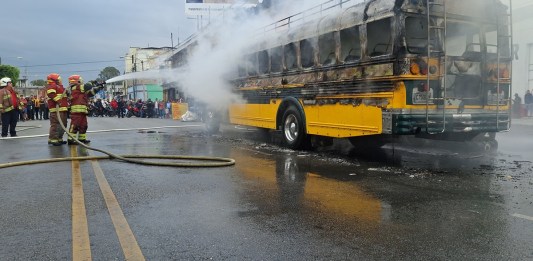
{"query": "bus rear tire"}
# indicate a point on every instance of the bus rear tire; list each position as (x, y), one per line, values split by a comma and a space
(293, 129)
(212, 122)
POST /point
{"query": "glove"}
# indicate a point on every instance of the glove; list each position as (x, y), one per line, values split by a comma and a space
(97, 84)
(101, 85)
(88, 86)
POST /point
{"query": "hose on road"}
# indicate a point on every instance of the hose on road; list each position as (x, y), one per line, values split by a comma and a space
(213, 161)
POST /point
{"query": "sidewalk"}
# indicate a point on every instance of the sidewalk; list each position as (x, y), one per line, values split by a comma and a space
(527, 121)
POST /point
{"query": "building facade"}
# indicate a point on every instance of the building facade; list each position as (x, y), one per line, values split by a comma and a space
(144, 59)
(523, 46)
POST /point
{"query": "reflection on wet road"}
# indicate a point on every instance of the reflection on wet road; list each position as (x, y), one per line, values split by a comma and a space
(405, 200)
(409, 200)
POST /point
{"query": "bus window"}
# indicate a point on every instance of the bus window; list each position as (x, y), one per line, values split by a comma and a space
(462, 38)
(251, 64)
(307, 53)
(262, 58)
(326, 48)
(416, 36)
(276, 65)
(491, 38)
(379, 37)
(241, 71)
(350, 45)
(290, 56)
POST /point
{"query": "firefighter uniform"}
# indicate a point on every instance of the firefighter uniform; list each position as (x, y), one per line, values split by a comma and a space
(57, 102)
(79, 100)
(10, 106)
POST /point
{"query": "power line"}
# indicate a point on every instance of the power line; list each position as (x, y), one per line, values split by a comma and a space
(94, 70)
(60, 64)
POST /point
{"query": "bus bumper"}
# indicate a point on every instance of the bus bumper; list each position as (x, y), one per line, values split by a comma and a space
(409, 124)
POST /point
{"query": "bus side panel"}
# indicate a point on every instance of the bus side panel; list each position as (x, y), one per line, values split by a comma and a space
(343, 121)
(257, 115)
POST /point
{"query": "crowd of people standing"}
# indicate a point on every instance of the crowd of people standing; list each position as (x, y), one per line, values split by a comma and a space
(527, 109)
(33, 108)
(59, 103)
(122, 107)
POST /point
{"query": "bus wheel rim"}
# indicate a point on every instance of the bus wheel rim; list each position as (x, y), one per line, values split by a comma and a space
(291, 128)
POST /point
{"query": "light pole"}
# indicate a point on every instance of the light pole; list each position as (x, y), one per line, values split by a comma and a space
(24, 79)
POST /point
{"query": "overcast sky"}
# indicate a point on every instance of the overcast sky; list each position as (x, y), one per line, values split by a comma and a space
(77, 32)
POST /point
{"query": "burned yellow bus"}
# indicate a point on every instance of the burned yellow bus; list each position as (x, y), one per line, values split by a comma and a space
(374, 69)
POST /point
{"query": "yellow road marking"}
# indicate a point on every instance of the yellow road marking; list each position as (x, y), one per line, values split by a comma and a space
(81, 245)
(129, 244)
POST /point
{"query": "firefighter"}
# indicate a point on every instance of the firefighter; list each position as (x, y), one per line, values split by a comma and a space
(10, 107)
(57, 102)
(80, 94)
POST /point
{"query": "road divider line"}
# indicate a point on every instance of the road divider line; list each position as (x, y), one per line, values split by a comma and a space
(127, 240)
(81, 245)
(522, 216)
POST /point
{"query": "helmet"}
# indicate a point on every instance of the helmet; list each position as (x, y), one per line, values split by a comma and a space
(75, 79)
(54, 77)
(4, 81)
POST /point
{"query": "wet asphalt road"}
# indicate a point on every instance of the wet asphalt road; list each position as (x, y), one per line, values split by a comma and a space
(407, 201)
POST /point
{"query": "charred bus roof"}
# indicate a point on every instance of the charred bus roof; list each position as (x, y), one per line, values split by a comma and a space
(370, 10)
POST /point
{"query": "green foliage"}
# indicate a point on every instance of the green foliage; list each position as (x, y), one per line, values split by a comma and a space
(11, 72)
(108, 73)
(39, 82)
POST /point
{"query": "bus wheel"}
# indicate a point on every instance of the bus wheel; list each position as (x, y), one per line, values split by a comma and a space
(486, 142)
(489, 146)
(212, 122)
(293, 129)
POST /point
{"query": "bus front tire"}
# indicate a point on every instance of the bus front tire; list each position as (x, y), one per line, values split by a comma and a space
(212, 122)
(293, 129)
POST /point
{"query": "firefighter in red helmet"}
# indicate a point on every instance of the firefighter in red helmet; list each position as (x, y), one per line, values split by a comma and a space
(79, 100)
(57, 102)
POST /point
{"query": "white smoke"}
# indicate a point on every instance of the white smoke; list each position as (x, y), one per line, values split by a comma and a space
(220, 50)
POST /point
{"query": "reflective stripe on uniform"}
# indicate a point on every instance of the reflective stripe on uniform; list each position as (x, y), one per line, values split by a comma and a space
(58, 97)
(78, 108)
(8, 109)
(60, 109)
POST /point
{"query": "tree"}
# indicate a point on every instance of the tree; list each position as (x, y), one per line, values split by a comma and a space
(39, 82)
(11, 72)
(108, 73)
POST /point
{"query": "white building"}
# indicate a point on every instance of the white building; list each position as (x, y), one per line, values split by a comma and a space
(523, 41)
(145, 59)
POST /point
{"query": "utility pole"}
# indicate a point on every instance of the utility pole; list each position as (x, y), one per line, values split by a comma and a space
(134, 69)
